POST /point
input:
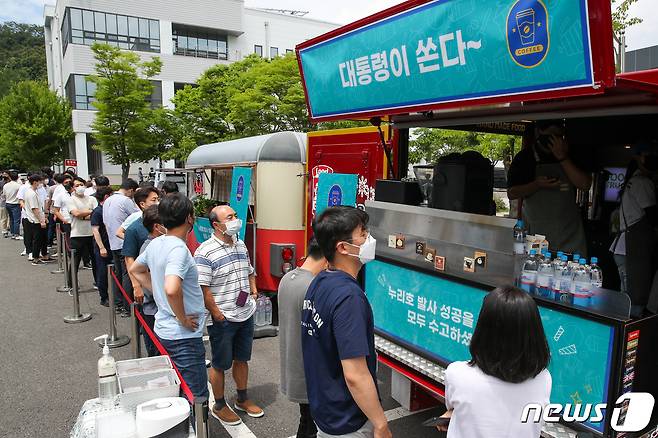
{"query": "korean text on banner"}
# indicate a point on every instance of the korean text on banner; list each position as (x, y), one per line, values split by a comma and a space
(336, 189)
(438, 317)
(449, 51)
(240, 194)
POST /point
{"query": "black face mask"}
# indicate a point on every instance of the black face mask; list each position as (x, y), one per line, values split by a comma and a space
(651, 163)
(68, 187)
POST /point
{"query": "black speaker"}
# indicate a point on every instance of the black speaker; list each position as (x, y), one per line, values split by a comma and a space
(398, 192)
(464, 182)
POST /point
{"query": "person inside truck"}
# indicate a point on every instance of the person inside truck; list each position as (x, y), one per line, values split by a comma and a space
(545, 175)
(634, 246)
(486, 396)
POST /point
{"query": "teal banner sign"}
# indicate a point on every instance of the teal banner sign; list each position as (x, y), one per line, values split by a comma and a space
(439, 316)
(240, 192)
(336, 189)
(449, 51)
(202, 229)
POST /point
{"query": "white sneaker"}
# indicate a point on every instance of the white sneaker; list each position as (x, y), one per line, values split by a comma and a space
(18, 238)
(30, 258)
(23, 253)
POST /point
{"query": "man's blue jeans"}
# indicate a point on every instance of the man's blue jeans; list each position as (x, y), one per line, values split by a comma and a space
(14, 211)
(189, 355)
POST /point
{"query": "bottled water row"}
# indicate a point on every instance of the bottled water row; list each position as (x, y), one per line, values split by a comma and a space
(263, 315)
(559, 277)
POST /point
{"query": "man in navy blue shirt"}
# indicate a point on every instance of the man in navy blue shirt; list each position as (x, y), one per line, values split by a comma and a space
(338, 342)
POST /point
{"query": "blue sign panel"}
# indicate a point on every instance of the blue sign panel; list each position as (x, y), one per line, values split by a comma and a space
(240, 189)
(202, 229)
(336, 189)
(447, 51)
(438, 316)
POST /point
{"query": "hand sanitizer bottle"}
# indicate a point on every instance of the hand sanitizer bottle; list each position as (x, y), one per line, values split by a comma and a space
(108, 386)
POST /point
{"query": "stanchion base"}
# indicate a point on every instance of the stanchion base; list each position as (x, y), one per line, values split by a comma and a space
(74, 319)
(119, 341)
(57, 271)
(63, 289)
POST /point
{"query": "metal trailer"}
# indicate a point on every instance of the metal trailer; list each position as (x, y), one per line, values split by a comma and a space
(276, 222)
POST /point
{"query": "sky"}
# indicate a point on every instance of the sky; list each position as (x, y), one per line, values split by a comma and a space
(345, 11)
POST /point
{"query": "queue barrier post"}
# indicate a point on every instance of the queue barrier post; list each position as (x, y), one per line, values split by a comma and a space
(114, 340)
(77, 317)
(201, 417)
(58, 237)
(67, 279)
(137, 344)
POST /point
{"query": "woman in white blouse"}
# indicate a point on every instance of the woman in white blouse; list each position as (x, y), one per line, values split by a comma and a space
(485, 396)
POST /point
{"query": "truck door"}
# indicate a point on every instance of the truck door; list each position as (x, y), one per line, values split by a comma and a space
(355, 151)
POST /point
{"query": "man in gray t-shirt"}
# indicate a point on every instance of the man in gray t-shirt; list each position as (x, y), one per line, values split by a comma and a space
(292, 291)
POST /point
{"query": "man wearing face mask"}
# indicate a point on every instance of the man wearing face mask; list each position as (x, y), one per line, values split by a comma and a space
(229, 288)
(136, 234)
(167, 268)
(155, 229)
(81, 207)
(546, 174)
(338, 342)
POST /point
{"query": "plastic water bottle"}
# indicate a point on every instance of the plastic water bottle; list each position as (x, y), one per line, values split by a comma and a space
(545, 276)
(596, 273)
(559, 265)
(267, 311)
(529, 273)
(575, 262)
(565, 280)
(558, 259)
(581, 287)
(260, 312)
(519, 237)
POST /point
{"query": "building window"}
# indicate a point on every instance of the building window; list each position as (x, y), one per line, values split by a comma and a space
(274, 52)
(258, 50)
(178, 86)
(81, 26)
(200, 43)
(155, 99)
(289, 51)
(80, 92)
(94, 157)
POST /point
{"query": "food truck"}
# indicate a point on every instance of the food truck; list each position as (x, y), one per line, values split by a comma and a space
(283, 189)
(496, 66)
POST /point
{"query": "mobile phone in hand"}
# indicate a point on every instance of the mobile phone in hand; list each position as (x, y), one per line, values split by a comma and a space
(436, 421)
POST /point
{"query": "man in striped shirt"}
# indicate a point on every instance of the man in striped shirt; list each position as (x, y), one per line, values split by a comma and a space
(229, 289)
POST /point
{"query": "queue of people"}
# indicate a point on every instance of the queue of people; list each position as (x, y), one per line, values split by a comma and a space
(327, 348)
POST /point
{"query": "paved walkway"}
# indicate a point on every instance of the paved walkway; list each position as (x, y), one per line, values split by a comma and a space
(48, 368)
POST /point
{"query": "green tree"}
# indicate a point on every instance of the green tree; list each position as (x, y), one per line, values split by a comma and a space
(250, 97)
(22, 54)
(123, 121)
(268, 97)
(621, 20)
(430, 144)
(35, 126)
(203, 109)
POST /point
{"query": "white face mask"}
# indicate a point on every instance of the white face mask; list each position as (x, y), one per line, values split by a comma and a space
(80, 191)
(233, 227)
(366, 250)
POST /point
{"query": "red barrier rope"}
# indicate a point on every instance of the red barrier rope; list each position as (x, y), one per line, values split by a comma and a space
(186, 389)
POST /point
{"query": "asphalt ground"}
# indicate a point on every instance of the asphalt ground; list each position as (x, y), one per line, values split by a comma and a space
(48, 367)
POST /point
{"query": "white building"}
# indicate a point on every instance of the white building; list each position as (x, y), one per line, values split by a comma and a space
(188, 36)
